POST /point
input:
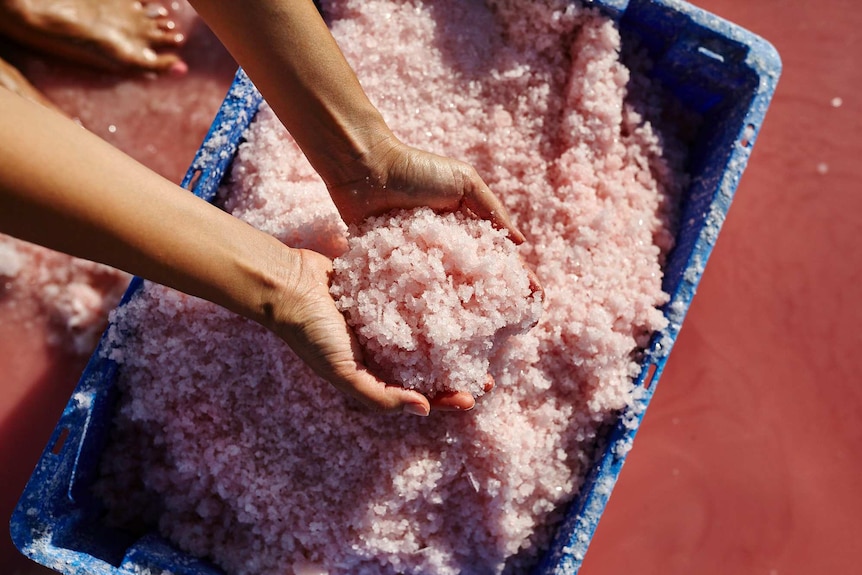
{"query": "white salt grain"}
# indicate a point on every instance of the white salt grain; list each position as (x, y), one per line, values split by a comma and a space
(11, 261)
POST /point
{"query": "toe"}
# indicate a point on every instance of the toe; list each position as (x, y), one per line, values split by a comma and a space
(150, 60)
(166, 24)
(154, 10)
(166, 38)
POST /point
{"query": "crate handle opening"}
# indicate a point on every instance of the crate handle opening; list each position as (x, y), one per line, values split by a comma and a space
(748, 136)
(193, 182)
(650, 375)
(61, 441)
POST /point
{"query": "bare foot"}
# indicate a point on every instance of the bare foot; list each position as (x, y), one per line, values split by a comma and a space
(11, 79)
(108, 34)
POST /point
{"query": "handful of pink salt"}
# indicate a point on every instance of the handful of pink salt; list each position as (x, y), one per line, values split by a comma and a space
(432, 297)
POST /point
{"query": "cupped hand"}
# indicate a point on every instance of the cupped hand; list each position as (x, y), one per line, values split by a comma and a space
(308, 320)
(399, 176)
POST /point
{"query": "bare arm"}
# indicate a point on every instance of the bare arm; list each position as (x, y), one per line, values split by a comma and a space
(288, 52)
(66, 189)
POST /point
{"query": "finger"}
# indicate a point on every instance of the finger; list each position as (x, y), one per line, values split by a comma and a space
(166, 24)
(535, 285)
(377, 395)
(488, 206)
(489, 383)
(459, 400)
(453, 401)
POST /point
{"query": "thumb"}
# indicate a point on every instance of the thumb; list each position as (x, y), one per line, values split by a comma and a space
(374, 393)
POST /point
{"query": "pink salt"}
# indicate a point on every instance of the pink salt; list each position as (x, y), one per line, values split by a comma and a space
(71, 296)
(240, 454)
(433, 297)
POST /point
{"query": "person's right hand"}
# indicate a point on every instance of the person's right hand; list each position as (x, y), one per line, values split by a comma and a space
(394, 175)
(398, 176)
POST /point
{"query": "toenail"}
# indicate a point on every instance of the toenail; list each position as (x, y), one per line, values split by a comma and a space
(154, 10)
(178, 68)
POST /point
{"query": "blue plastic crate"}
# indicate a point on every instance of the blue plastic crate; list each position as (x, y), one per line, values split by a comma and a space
(725, 74)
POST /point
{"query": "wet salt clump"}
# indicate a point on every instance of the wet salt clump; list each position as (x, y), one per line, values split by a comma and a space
(10, 260)
(431, 297)
(72, 296)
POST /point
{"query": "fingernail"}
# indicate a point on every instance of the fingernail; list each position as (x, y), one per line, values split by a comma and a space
(416, 409)
(451, 408)
(516, 236)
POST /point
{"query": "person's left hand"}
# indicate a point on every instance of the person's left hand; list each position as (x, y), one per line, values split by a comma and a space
(308, 320)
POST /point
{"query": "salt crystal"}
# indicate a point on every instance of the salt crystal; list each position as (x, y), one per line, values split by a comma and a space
(11, 261)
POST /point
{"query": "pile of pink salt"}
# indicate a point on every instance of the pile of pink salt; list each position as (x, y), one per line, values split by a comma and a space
(432, 297)
(67, 297)
(238, 453)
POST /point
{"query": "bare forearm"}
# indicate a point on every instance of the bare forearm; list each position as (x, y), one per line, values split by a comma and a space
(288, 52)
(64, 188)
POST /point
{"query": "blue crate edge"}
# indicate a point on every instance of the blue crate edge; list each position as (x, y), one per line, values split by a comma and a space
(47, 496)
